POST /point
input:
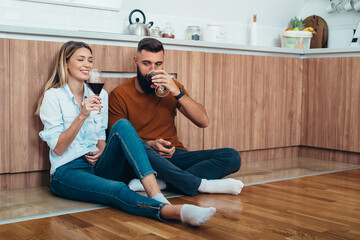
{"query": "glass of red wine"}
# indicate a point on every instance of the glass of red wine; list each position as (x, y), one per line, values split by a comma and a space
(160, 90)
(96, 82)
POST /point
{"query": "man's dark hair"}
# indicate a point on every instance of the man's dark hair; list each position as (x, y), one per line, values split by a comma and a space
(151, 45)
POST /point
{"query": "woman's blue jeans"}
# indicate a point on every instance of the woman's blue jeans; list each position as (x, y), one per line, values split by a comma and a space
(102, 183)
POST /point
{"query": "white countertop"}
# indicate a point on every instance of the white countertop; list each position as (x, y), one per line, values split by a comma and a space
(106, 38)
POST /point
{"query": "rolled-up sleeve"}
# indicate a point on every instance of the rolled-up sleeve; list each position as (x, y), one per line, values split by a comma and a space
(50, 115)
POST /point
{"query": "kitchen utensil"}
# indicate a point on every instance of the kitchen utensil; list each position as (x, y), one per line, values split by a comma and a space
(331, 7)
(349, 5)
(320, 39)
(357, 6)
(138, 28)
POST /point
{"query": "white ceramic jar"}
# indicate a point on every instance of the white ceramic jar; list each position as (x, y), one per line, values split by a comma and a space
(214, 33)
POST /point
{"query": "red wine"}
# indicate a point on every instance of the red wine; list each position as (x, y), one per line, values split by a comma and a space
(96, 87)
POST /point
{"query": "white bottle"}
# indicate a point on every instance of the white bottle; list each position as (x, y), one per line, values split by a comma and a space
(254, 31)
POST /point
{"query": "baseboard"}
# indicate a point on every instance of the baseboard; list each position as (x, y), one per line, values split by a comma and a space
(24, 180)
(266, 154)
(42, 178)
(301, 151)
(330, 155)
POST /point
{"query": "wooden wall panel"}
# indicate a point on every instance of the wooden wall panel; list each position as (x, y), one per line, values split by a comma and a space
(121, 59)
(330, 155)
(114, 58)
(171, 61)
(5, 106)
(191, 75)
(24, 180)
(254, 102)
(111, 83)
(31, 63)
(331, 98)
(267, 154)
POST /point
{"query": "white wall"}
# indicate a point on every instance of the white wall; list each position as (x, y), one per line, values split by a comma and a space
(234, 15)
(340, 24)
(31, 14)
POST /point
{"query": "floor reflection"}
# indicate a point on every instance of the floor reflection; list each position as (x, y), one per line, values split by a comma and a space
(279, 169)
(25, 203)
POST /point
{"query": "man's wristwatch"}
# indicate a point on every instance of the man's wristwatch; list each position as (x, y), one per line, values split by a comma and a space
(180, 95)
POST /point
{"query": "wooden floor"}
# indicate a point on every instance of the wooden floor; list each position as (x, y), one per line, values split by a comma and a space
(318, 207)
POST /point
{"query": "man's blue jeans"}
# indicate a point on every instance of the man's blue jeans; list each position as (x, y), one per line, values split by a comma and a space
(102, 183)
(185, 169)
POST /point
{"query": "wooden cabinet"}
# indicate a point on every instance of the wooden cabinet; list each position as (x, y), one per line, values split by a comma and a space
(4, 107)
(190, 73)
(331, 98)
(31, 63)
(114, 58)
(253, 102)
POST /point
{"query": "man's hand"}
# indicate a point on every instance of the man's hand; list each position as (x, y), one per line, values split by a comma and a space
(164, 79)
(162, 147)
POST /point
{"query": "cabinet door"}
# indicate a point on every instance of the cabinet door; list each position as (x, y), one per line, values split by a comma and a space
(119, 59)
(114, 58)
(5, 106)
(31, 63)
(331, 112)
(254, 102)
(191, 74)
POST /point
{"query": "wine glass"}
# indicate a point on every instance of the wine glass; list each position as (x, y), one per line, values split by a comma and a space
(160, 90)
(96, 82)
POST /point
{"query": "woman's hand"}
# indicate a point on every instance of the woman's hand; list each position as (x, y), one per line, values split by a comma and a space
(93, 157)
(92, 103)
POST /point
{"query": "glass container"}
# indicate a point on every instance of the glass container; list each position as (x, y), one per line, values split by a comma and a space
(155, 32)
(168, 31)
(193, 33)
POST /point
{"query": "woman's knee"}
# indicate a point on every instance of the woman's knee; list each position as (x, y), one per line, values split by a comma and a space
(120, 124)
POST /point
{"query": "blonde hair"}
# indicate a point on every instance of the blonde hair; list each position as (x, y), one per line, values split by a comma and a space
(60, 74)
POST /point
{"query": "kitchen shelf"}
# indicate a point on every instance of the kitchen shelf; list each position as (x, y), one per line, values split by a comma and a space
(109, 38)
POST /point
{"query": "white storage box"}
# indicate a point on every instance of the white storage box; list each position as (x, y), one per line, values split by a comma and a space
(296, 39)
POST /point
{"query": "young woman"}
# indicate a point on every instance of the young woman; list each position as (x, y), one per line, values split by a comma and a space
(83, 166)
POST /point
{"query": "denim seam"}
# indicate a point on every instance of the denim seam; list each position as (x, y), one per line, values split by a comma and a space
(108, 195)
(132, 158)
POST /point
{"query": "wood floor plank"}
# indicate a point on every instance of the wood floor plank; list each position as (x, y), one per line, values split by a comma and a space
(317, 207)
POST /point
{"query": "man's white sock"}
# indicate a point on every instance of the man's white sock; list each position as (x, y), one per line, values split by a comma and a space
(136, 185)
(227, 185)
(161, 198)
(195, 216)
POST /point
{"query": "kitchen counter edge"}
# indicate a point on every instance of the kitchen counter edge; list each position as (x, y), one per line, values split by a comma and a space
(107, 38)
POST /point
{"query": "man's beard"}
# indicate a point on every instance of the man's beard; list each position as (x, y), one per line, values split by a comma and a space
(144, 83)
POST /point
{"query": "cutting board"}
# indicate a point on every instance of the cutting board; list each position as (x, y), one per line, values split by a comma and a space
(320, 39)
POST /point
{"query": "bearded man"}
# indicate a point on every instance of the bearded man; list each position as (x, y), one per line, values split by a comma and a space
(153, 118)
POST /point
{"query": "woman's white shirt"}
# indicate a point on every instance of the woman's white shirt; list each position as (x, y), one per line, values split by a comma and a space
(57, 112)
